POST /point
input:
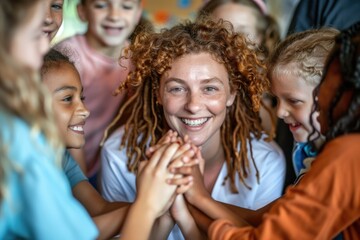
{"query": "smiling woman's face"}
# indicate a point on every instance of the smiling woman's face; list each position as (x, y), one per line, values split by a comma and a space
(194, 94)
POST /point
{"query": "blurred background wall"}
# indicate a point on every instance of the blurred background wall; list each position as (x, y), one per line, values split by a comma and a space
(166, 13)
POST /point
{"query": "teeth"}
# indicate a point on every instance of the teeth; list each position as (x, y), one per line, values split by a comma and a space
(77, 128)
(194, 123)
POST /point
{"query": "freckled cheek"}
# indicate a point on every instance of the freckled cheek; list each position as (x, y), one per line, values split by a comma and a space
(216, 105)
(172, 105)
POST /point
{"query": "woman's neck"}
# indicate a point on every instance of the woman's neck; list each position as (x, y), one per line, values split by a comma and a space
(214, 158)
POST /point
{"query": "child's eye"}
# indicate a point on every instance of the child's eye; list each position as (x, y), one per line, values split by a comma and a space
(67, 99)
(294, 101)
(57, 6)
(101, 5)
(129, 5)
(82, 98)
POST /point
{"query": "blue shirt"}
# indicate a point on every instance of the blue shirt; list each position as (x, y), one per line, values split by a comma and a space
(300, 153)
(38, 203)
(72, 170)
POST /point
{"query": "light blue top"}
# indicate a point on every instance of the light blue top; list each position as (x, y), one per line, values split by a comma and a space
(38, 203)
(72, 170)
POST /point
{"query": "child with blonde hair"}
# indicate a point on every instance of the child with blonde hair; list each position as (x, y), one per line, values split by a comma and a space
(35, 199)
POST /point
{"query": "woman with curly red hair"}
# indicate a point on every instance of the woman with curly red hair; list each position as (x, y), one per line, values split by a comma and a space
(205, 82)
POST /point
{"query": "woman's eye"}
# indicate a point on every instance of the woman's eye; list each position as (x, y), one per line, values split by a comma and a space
(176, 89)
(211, 89)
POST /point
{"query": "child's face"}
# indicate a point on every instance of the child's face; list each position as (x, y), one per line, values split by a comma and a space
(29, 44)
(53, 18)
(327, 90)
(194, 94)
(294, 103)
(243, 18)
(110, 22)
(70, 113)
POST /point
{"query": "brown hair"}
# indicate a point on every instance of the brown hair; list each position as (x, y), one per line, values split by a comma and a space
(267, 27)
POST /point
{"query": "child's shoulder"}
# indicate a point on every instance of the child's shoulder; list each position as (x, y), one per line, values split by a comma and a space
(348, 143)
(23, 141)
(76, 42)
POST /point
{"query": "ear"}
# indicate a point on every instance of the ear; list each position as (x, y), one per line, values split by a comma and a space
(231, 99)
(81, 12)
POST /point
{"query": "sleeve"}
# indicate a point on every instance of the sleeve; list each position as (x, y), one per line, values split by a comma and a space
(72, 170)
(314, 209)
(52, 212)
(117, 182)
(49, 209)
(303, 17)
(225, 230)
(319, 13)
(272, 169)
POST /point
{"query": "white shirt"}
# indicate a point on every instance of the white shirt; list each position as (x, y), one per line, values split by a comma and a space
(118, 184)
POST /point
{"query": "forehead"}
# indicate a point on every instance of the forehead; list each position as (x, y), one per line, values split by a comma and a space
(196, 67)
(61, 72)
(290, 82)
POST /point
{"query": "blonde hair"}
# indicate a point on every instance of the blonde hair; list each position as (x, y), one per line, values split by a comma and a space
(152, 55)
(306, 50)
(21, 92)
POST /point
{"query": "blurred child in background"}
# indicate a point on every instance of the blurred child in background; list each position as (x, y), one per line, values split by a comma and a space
(53, 18)
(250, 17)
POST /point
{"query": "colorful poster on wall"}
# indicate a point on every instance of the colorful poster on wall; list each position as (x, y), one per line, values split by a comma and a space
(165, 13)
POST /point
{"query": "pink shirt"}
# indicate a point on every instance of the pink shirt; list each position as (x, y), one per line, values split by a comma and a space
(100, 76)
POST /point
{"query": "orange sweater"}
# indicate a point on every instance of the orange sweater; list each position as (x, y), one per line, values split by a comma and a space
(324, 203)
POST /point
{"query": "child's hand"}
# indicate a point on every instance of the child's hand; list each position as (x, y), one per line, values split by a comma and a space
(197, 190)
(153, 191)
(185, 168)
(179, 210)
(169, 137)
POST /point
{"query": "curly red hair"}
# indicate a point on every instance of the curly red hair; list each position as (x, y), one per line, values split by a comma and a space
(152, 55)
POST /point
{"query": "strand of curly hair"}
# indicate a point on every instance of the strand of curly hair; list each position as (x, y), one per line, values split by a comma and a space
(350, 65)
